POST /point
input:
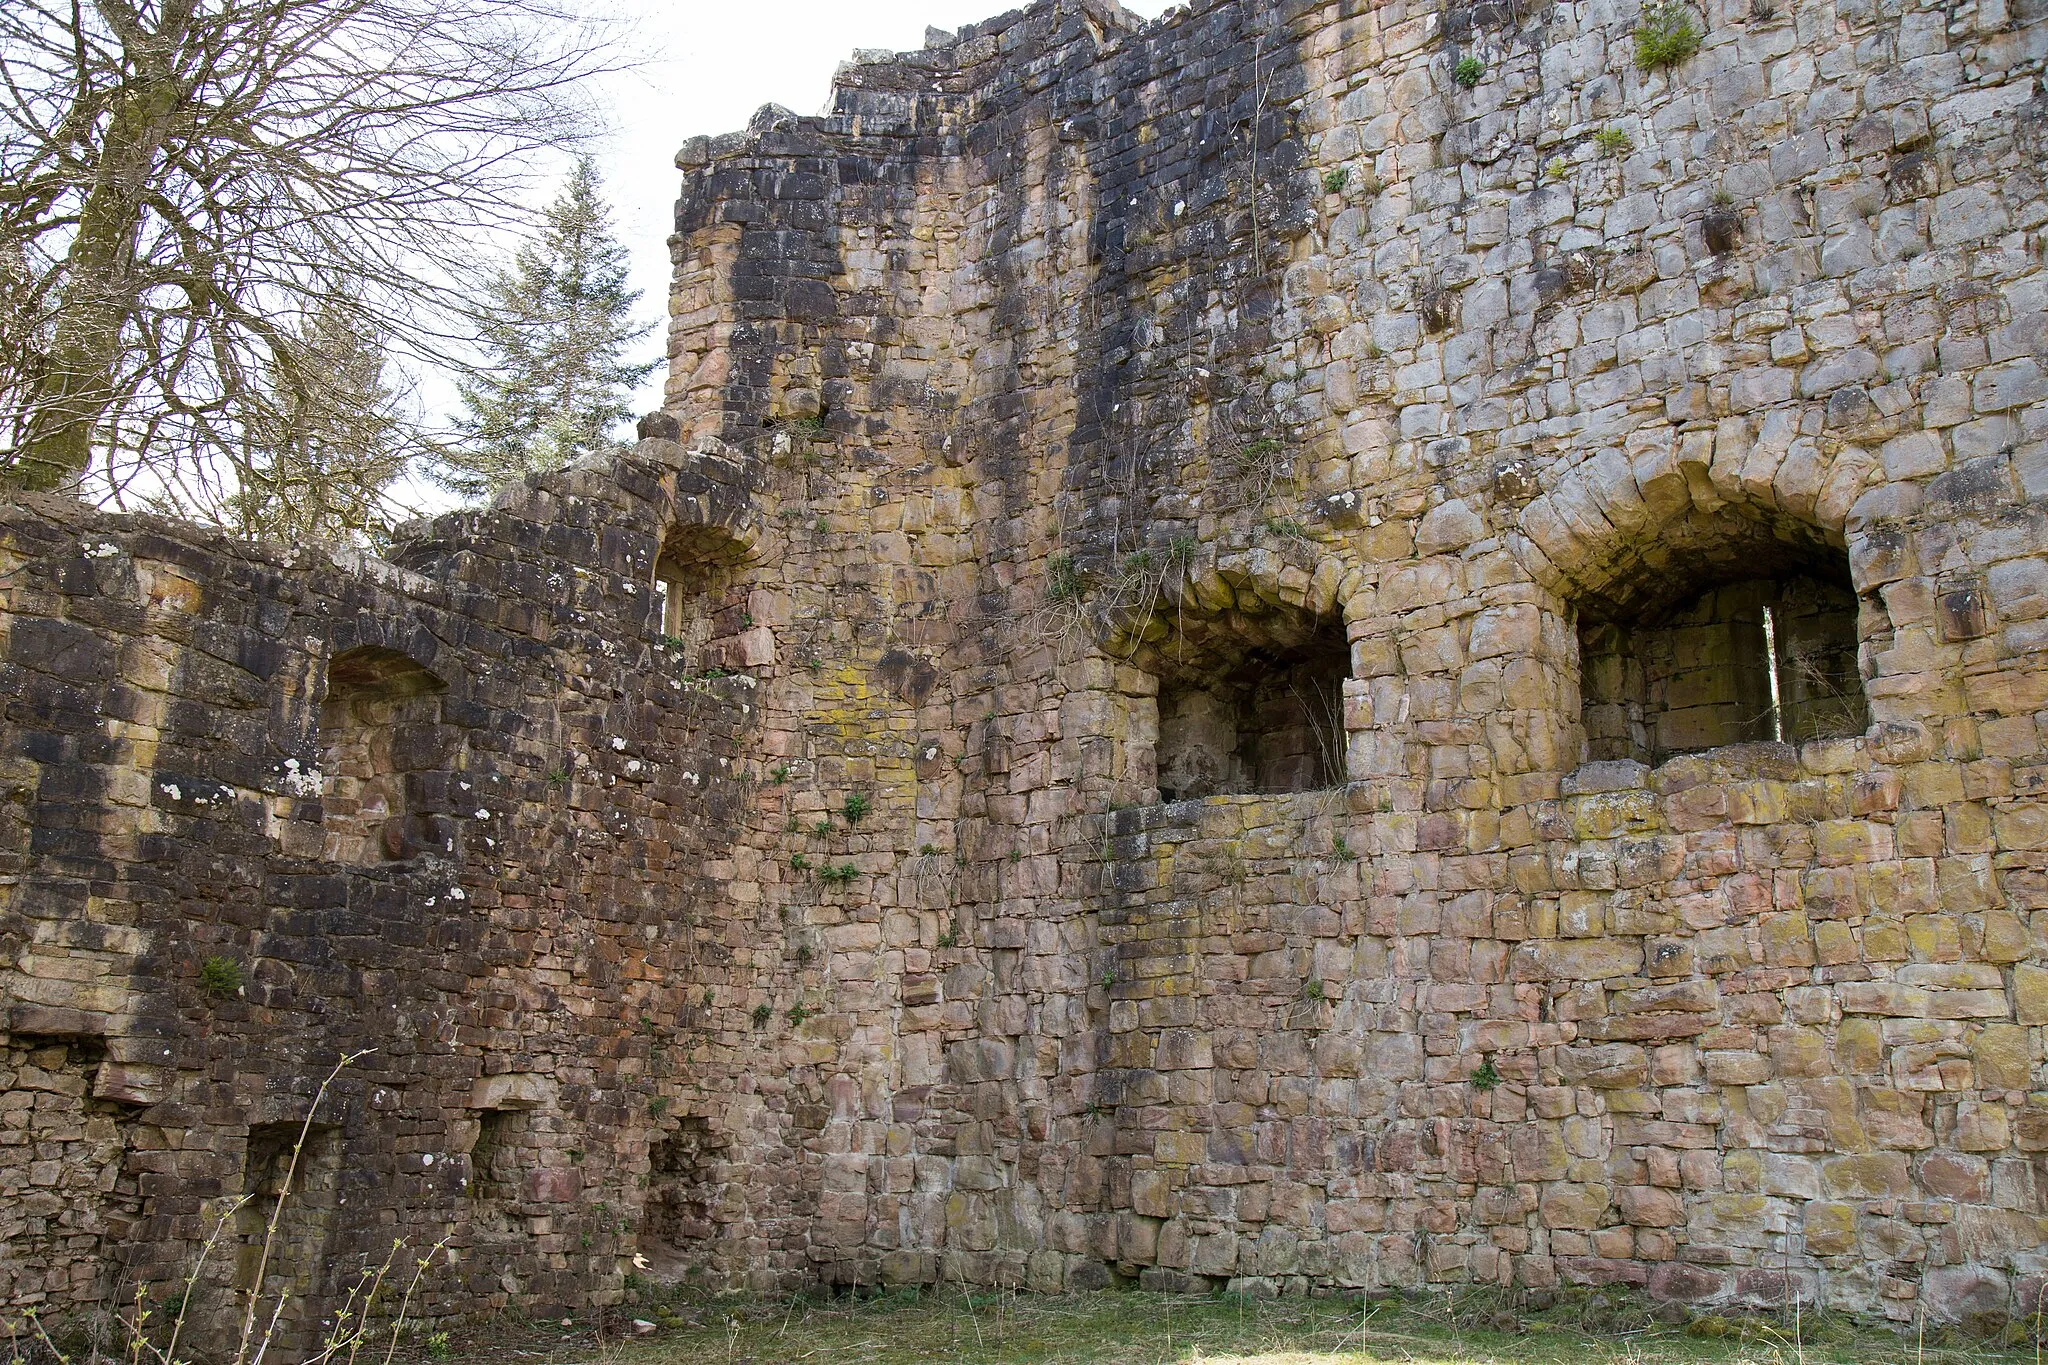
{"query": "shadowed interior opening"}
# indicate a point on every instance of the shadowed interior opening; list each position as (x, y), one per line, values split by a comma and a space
(677, 1215)
(497, 1166)
(1251, 701)
(1728, 630)
(699, 605)
(295, 1266)
(379, 727)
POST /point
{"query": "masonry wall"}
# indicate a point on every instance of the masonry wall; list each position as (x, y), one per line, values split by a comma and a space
(189, 952)
(1095, 353)
(1064, 361)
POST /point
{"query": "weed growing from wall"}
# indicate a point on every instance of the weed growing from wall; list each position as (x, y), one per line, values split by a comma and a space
(220, 977)
(1665, 37)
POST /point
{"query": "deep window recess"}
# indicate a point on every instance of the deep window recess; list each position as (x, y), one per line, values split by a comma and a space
(380, 725)
(295, 1263)
(497, 1164)
(677, 1215)
(1724, 655)
(698, 604)
(1253, 704)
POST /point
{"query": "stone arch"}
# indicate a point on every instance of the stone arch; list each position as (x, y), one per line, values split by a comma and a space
(1609, 514)
(1710, 606)
(712, 489)
(370, 636)
(1250, 658)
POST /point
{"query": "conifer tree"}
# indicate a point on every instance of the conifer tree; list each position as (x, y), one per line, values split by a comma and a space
(559, 325)
(326, 443)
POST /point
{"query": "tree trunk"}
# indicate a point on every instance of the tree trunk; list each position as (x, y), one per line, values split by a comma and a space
(73, 394)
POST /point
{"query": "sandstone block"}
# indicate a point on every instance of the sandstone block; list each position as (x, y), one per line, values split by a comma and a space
(1872, 1175)
(1646, 1207)
(1830, 1228)
(1576, 959)
(1968, 1294)
(1571, 1205)
(2030, 994)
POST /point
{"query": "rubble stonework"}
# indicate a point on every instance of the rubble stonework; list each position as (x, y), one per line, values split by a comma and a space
(1574, 538)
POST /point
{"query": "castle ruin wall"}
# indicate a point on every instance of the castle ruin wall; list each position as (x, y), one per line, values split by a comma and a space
(1245, 656)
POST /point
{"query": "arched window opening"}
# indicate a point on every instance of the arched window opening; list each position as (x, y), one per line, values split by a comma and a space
(699, 606)
(1252, 702)
(1734, 631)
(379, 728)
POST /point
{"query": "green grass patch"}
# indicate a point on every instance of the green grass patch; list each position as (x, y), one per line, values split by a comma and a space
(1474, 1327)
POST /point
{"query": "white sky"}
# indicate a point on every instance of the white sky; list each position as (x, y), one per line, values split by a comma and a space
(706, 66)
(709, 65)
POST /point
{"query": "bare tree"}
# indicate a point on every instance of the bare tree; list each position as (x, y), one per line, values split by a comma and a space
(194, 192)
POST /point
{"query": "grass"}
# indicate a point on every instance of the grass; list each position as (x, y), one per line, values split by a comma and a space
(1474, 1327)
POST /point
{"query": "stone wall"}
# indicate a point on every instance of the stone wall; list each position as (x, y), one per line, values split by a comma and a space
(1105, 356)
(198, 922)
(835, 928)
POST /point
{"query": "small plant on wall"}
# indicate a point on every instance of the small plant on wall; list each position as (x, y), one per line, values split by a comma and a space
(806, 429)
(1665, 37)
(220, 977)
(1065, 580)
(1613, 141)
(1484, 1076)
(1468, 71)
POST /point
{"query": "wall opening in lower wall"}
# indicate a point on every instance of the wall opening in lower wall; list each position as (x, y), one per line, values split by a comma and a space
(293, 1260)
(497, 1163)
(676, 1221)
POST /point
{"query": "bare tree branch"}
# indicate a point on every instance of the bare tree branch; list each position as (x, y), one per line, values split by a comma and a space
(198, 197)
